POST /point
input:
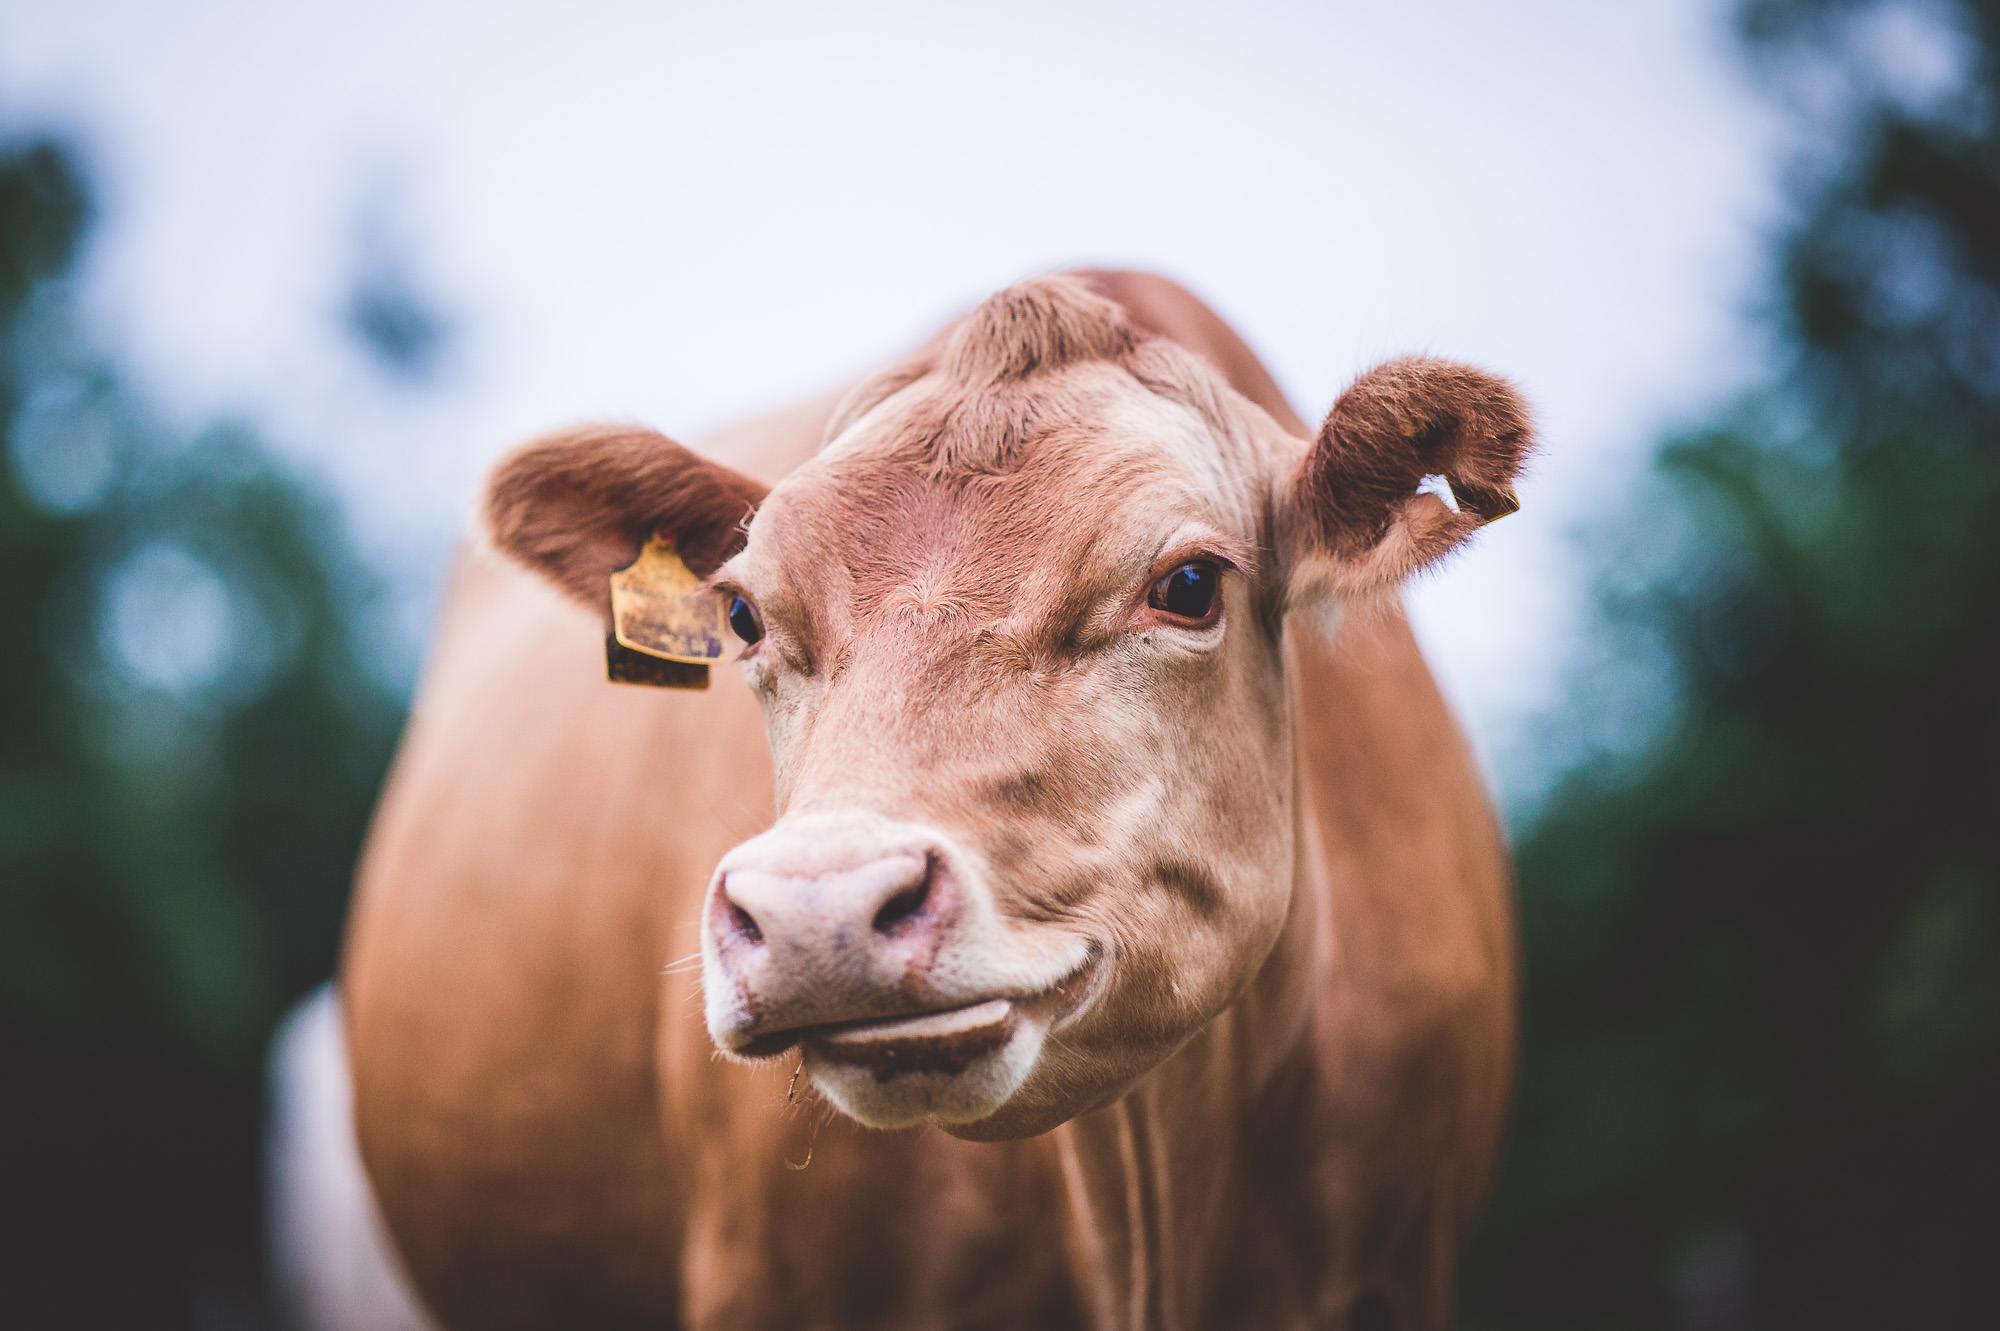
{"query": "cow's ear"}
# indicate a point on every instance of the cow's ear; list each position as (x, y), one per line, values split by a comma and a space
(578, 505)
(1366, 507)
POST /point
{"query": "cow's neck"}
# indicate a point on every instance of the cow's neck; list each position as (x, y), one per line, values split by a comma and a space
(1149, 1178)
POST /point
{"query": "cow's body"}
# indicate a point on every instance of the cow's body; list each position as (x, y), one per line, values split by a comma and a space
(555, 1142)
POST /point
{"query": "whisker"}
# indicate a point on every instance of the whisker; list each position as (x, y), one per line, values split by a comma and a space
(812, 1140)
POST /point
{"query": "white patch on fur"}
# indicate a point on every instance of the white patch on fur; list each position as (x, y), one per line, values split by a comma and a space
(332, 1265)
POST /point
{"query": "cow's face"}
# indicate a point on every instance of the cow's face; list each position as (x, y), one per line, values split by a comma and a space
(1017, 635)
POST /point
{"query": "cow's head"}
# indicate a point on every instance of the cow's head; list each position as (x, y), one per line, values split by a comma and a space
(1017, 634)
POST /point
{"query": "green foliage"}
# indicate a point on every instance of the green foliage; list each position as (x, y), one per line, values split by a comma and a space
(1762, 1052)
(191, 736)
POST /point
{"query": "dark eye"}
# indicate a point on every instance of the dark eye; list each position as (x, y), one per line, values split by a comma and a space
(744, 620)
(1189, 591)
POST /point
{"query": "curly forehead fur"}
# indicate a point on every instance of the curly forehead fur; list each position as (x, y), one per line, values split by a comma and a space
(995, 383)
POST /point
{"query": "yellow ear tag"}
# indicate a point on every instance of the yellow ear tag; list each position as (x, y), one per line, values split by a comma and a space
(664, 628)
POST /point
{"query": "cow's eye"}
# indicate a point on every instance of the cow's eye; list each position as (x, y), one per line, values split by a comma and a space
(744, 620)
(1188, 592)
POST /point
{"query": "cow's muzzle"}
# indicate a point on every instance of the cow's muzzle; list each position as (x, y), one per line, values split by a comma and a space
(875, 947)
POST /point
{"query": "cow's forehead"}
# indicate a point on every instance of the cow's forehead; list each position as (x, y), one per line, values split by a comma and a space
(1082, 468)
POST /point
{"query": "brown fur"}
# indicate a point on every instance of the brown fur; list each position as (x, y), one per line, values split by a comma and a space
(1167, 310)
(577, 505)
(1035, 328)
(1269, 1119)
(1354, 496)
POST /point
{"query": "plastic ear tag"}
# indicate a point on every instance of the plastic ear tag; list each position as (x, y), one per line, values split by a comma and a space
(665, 628)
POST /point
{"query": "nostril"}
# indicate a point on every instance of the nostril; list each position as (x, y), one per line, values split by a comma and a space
(902, 906)
(745, 925)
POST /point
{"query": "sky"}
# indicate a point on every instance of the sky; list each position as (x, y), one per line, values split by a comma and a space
(685, 214)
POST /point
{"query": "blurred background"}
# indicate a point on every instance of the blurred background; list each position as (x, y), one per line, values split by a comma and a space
(276, 282)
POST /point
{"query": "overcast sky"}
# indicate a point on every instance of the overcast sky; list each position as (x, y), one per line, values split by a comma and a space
(685, 213)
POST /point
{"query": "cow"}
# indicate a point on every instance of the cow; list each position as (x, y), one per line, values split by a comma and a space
(1077, 909)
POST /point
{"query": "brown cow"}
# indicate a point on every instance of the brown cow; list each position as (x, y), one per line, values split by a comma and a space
(1162, 893)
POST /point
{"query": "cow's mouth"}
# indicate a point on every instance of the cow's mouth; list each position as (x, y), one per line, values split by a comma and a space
(938, 1041)
(935, 1040)
(951, 1065)
(944, 1043)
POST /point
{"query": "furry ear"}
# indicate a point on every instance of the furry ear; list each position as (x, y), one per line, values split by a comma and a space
(577, 505)
(1356, 521)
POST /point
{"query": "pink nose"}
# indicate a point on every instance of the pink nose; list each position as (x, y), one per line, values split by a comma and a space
(885, 904)
(832, 920)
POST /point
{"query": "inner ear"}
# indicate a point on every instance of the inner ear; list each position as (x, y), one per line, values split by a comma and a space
(578, 505)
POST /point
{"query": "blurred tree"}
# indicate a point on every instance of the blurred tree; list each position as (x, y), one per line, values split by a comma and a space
(190, 741)
(391, 316)
(1761, 1081)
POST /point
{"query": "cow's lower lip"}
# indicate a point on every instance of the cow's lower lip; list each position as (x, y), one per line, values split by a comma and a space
(944, 1043)
(865, 1040)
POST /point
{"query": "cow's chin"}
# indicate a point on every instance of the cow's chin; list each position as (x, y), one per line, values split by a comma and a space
(957, 1069)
